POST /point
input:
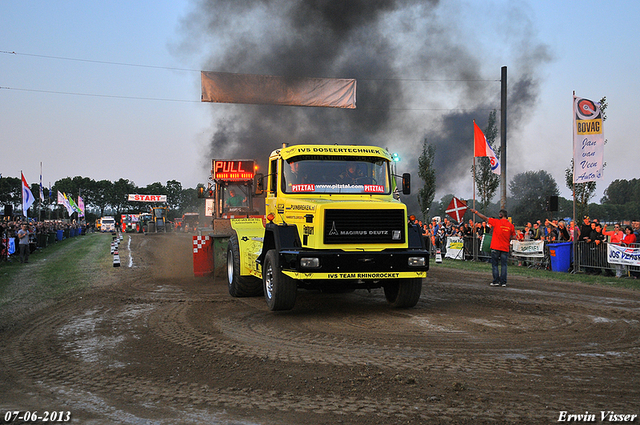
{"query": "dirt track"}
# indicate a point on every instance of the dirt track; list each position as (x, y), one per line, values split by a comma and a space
(152, 344)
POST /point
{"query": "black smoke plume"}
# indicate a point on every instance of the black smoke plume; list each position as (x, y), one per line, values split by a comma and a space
(418, 77)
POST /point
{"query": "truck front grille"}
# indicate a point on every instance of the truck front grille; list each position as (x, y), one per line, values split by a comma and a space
(364, 226)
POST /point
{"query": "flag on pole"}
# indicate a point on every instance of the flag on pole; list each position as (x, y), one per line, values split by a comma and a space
(62, 199)
(41, 189)
(482, 148)
(27, 196)
(81, 206)
(456, 209)
(588, 141)
(73, 205)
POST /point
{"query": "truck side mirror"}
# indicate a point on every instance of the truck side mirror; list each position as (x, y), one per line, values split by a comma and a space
(259, 184)
(406, 184)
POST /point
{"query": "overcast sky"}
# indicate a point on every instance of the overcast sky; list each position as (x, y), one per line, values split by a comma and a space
(111, 90)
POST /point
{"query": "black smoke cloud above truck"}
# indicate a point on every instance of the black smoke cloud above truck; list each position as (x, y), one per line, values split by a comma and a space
(419, 75)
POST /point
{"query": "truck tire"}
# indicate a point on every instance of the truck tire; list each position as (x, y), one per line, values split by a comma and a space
(239, 286)
(279, 289)
(403, 293)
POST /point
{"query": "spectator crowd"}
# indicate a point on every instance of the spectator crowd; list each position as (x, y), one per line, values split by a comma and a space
(590, 232)
(40, 233)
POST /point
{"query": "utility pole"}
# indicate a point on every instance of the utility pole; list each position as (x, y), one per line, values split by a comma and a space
(503, 138)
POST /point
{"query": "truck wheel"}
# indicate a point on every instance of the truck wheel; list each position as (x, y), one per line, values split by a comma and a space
(403, 293)
(240, 286)
(279, 289)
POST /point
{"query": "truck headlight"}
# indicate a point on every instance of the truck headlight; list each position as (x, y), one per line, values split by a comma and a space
(417, 262)
(309, 262)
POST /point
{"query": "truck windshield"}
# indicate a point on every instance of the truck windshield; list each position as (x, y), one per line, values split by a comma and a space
(236, 197)
(331, 174)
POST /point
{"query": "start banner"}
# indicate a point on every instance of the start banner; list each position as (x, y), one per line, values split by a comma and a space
(626, 255)
(147, 198)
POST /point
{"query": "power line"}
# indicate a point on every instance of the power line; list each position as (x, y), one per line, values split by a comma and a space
(197, 101)
(98, 61)
(6, 52)
(99, 95)
(423, 80)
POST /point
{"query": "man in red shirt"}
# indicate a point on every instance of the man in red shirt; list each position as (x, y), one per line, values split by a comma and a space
(501, 235)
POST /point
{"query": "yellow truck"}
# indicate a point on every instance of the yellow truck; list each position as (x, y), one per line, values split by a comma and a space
(333, 224)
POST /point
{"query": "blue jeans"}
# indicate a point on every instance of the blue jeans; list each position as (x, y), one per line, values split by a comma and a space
(502, 257)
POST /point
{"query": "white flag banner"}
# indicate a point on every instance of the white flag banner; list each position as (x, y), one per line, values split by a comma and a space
(588, 141)
(209, 207)
(67, 204)
(532, 249)
(626, 255)
(224, 87)
(455, 247)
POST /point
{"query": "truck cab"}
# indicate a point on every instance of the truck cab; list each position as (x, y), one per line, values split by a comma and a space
(332, 223)
(108, 224)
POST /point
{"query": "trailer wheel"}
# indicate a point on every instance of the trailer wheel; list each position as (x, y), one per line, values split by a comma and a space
(240, 286)
(279, 289)
(403, 293)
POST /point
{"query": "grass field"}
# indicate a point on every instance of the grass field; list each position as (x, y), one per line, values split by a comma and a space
(77, 262)
(540, 274)
(53, 271)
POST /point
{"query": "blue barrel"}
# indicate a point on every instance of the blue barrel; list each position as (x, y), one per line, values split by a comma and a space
(59, 234)
(560, 254)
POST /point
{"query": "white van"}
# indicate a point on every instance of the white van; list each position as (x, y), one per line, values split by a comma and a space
(107, 224)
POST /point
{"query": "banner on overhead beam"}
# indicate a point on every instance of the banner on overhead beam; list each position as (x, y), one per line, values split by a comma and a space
(223, 87)
(588, 141)
(146, 198)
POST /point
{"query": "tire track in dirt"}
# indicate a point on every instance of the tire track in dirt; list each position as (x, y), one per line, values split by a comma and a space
(465, 332)
(367, 339)
(37, 355)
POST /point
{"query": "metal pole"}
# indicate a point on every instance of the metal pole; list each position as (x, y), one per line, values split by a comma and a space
(503, 138)
(474, 234)
(574, 246)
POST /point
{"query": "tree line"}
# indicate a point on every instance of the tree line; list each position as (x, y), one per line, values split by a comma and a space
(529, 201)
(100, 197)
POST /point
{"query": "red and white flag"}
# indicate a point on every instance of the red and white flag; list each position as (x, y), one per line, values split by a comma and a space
(482, 148)
(27, 196)
(456, 209)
